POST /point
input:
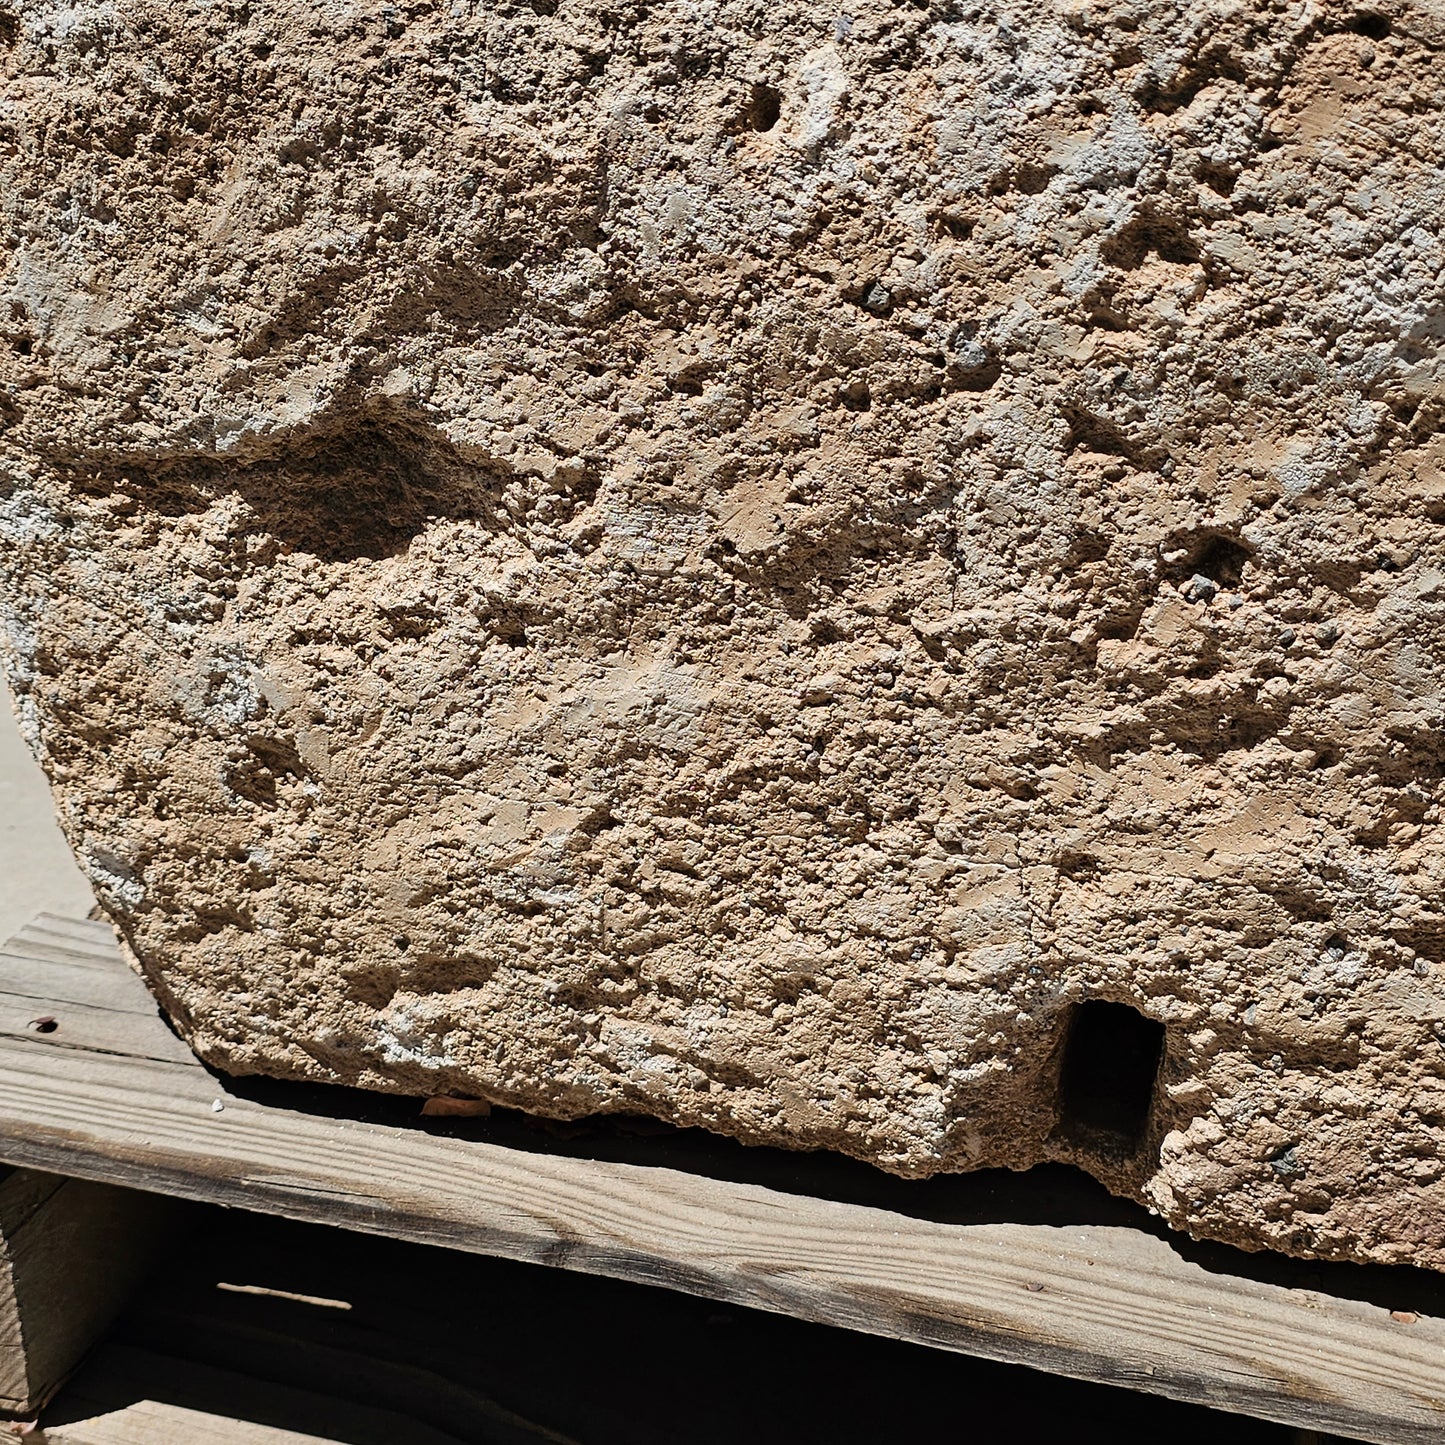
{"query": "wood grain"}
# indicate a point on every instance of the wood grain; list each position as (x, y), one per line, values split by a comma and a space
(105, 1096)
(71, 1250)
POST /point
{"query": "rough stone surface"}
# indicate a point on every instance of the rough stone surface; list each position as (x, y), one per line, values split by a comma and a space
(736, 561)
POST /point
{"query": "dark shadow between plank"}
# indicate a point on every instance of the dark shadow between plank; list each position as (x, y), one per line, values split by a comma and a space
(1051, 1194)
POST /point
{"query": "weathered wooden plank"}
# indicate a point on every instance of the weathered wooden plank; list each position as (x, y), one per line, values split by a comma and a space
(1096, 1302)
(71, 940)
(487, 1352)
(74, 981)
(126, 1397)
(157, 1422)
(70, 1252)
(83, 1026)
(67, 983)
(22, 1192)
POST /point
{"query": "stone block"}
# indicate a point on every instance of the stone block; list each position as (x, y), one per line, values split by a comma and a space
(867, 580)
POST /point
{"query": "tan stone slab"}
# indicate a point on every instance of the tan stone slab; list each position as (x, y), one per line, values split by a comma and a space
(865, 581)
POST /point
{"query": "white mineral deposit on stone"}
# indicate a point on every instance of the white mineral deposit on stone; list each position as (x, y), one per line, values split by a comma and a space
(867, 582)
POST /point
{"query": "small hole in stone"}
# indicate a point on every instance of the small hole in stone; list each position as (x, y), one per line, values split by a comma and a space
(1033, 180)
(1079, 865)
(765, 105)
(44, 1025)
(1106, 1084)
(1374, 27)
(1222, 560)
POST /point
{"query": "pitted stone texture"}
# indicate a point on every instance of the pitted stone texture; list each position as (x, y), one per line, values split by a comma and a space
(736, 561)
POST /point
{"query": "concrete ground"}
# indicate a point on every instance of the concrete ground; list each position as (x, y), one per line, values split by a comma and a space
(38, 873)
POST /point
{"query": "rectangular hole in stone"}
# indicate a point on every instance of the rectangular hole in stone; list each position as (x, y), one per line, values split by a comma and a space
(1106, 1084)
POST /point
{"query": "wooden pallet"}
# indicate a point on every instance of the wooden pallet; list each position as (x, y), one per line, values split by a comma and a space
(70, 1252)
(264, 1331)
(1090, 1288)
